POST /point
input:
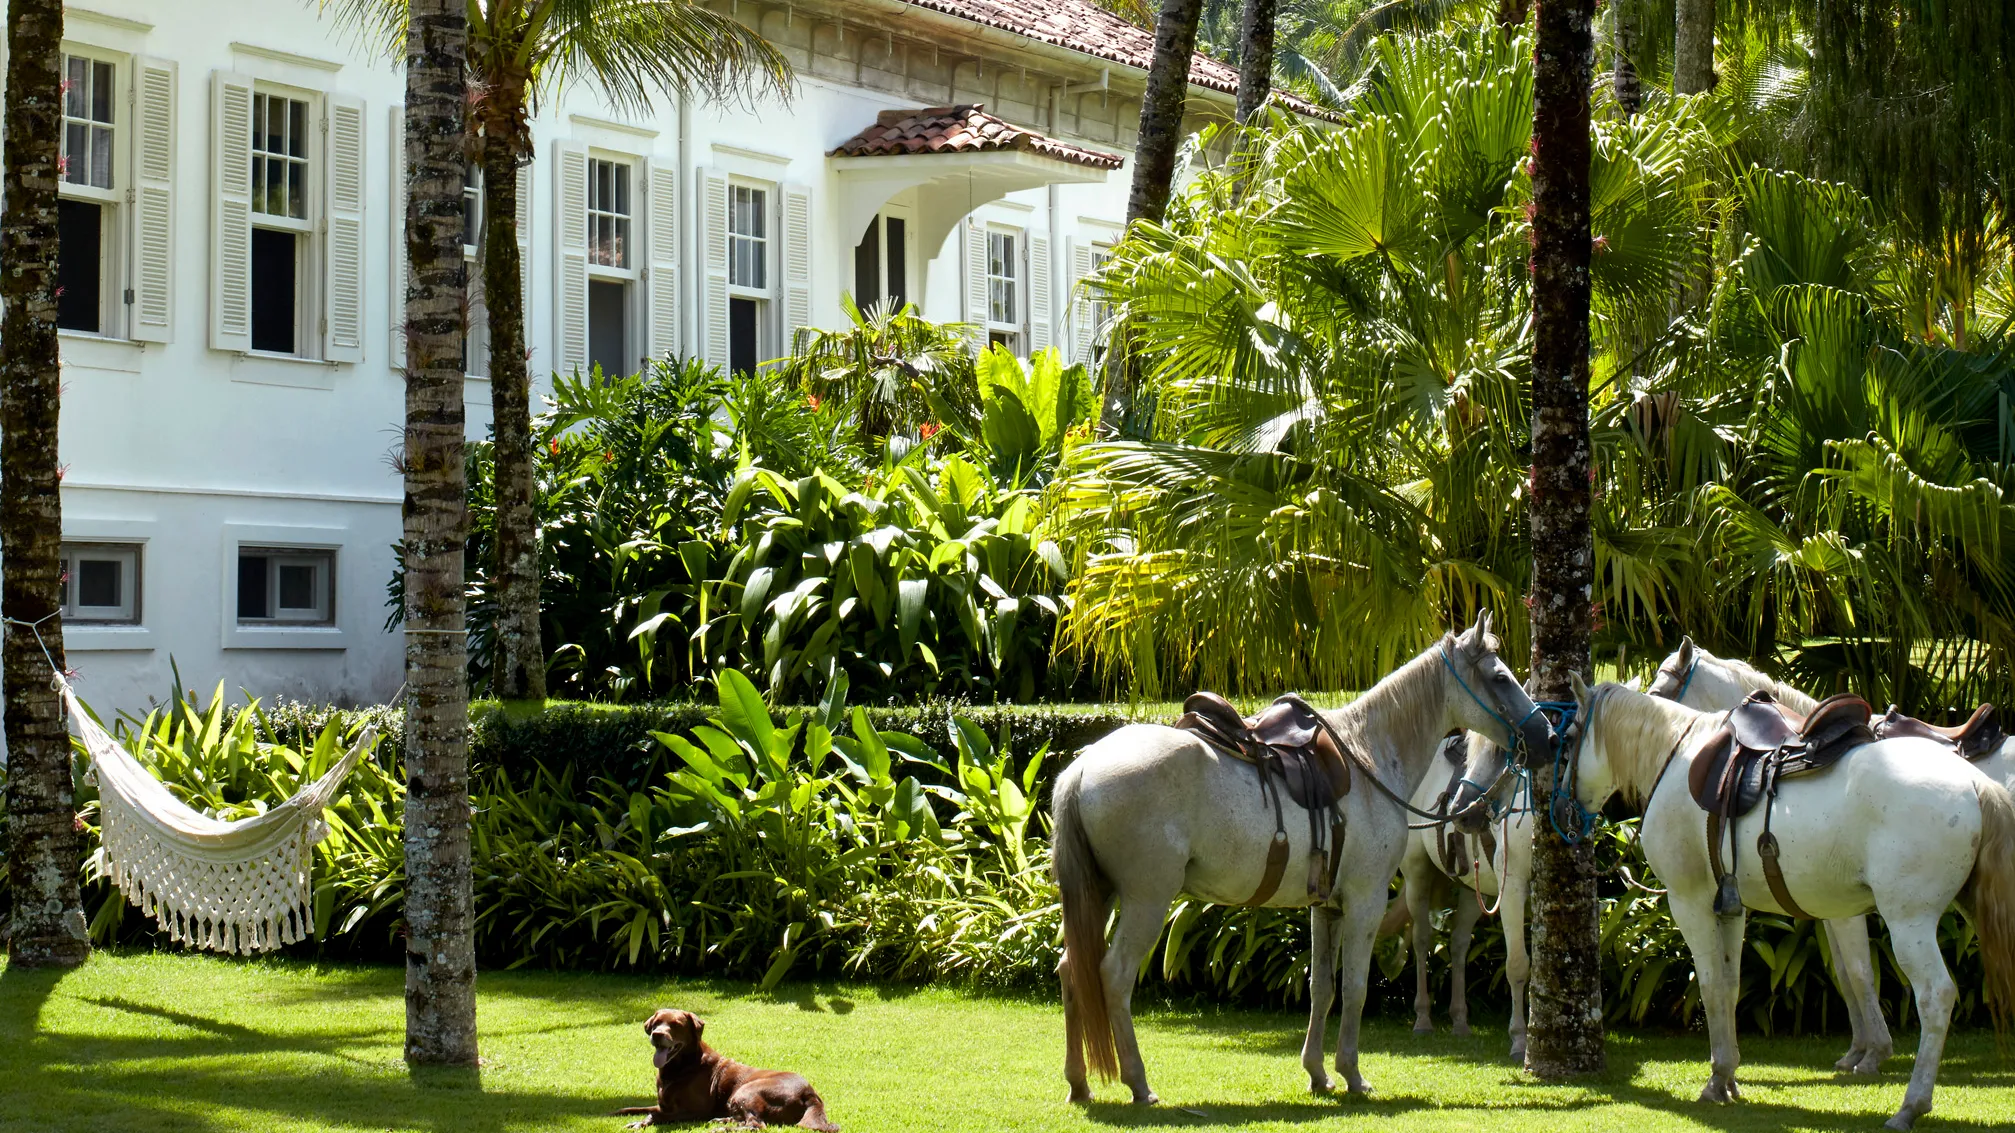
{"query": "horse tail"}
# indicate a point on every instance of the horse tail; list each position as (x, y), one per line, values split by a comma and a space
(1397, 917)
(1992, 897)
(1083, 889)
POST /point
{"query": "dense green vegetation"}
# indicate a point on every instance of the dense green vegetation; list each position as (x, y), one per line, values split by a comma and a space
(183, 1044)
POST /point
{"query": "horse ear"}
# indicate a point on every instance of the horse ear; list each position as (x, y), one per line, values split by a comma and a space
(1686, 650)
(1483, 621)
(1580, 688)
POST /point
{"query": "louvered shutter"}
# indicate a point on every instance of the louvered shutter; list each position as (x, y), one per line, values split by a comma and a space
(976, 281)
(343, 259)
(661, 276)
(230, 212)
(797, 256)
(524, 227)
(396, 223)
(714, 199)
(1040, 333)
(1082, 331)
(570, 285)
(152, 317)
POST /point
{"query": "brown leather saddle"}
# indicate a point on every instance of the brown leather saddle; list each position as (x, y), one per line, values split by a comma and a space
(1758, 746)
(1978, 737)
(1450, 843)
(1291, 748)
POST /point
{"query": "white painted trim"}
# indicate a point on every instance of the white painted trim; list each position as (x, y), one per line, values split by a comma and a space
(87, 16)
(244, 493)
(82, 637)
(288, 57)
(751, 154)
(282, 636)
(594, 123)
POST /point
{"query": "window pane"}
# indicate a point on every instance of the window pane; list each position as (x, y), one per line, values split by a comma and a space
(98, 582)
(622, 202)
(868, 266)
(101, 156)
(273, 283)
(297, 128)
(297, 190)
(297, 586)
(76, 86)
(621, 241)
(252, 586)
(79, 266)
(76, 153)
(608, 332)
(899, 287)
(101, 92)
(742, 321)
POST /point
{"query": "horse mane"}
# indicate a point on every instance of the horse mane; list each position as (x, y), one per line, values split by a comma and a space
(1407, 693)
(1640, 728)
(1753, 678)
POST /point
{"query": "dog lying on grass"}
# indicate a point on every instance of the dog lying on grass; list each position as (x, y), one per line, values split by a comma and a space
(696, 1084)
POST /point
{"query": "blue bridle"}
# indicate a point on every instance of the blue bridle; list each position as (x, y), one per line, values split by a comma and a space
(1514, 733)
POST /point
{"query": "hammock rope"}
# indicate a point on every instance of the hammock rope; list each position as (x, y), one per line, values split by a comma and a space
(240, 886)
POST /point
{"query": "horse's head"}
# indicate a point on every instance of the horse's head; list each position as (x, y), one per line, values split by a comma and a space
(1594, 772)
(1485, 787)
(1677, 672)
(1485, 695)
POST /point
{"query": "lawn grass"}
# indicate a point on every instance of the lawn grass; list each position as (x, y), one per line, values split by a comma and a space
(143, 1043)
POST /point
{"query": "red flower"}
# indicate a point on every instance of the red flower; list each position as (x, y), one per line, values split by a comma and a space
(556, 446)
(931, 429)
(814, 399)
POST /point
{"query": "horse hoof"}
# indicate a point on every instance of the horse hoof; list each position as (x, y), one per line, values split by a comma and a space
(1462, 1029)
(1322, 1085)
(1080, 1095)
(1849, 1062)
(1148, 1098)
(1714, 1092)
(1423, 1028)
(1902, 1122)
(1518, 1053)
(1869, 1065)
(1361, 1089)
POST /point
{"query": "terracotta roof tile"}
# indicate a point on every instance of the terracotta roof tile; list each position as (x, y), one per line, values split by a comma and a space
(1081, 25)
(962, 129)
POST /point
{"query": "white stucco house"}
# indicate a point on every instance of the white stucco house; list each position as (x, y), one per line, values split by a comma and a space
(232, 278)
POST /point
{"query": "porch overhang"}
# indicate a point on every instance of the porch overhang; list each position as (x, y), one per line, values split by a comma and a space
(952, 184)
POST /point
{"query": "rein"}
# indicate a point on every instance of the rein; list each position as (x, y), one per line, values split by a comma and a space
(1511, 730)
(1362, 761)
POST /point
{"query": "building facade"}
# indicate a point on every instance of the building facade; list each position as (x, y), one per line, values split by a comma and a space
(232, 278)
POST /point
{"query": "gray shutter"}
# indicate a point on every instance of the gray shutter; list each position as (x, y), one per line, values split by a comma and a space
(570, 285)
(152, 317)
(343, 226)
(1082, 331)
(396, 224)
(524, 228)
(976, 280)
(1040, 331)
(797, 257)
(230, 212)
(661, 273)
(714, 226)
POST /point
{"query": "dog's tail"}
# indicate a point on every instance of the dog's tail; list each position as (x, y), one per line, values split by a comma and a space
(1083, 889)
(1992, 894)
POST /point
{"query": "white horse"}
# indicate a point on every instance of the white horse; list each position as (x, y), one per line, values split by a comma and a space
(1150, 811)
(1431, 873)
(1897, 827)
(1698, 679)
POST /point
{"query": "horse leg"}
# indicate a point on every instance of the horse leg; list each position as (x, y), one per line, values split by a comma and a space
(1466, 913)
(1353, 963)
(1848, 939)
(1715, 966)
(1138, 927)
(1517, 961)
(1916, 942)
(1322, 922)
(1419, 889)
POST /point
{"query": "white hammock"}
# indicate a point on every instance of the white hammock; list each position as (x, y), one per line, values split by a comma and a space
(228, 886)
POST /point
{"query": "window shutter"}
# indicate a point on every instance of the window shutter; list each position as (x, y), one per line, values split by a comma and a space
(715, 201)
(976, 281)
(1039, 325)
(524, 226)
(1081, 330)
(661, 280)
(343, 261)
(230, 212)
(797, 263)
(152, 318)
(396, 304)
(570, 227)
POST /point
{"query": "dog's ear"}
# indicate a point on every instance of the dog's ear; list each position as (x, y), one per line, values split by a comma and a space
(698, 1024)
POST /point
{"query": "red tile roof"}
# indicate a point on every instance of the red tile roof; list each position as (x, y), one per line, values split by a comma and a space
(1081, 25)
(962, 129)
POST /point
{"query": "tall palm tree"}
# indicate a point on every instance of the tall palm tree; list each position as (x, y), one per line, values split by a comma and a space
(1255, 58)
(43, 862)
(519, 50)
(1564, 1031)
(440, 923)
(1692, 46)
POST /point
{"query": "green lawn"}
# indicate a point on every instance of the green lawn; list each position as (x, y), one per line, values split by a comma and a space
(142, 1043)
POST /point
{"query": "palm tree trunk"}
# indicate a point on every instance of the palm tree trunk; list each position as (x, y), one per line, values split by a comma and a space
(440, 945)
(43, 862)
(1693, 46)
(1564, 1028)
(1623, 71)
(1255, 58)
(1161, 109)
(520, 654)
(1154, 154)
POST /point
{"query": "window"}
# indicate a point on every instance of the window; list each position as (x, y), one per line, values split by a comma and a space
(101, 583)
(611, 265)
(287, 585)
(476, 327)
(1004, 290)
(748, 275)
(86, 212)
(608, 214)
(281, 231)
(881, 263)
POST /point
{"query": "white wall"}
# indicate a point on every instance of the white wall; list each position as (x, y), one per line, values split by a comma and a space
(188, 450)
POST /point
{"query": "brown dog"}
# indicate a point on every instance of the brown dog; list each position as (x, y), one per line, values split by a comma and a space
(697, 1084)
